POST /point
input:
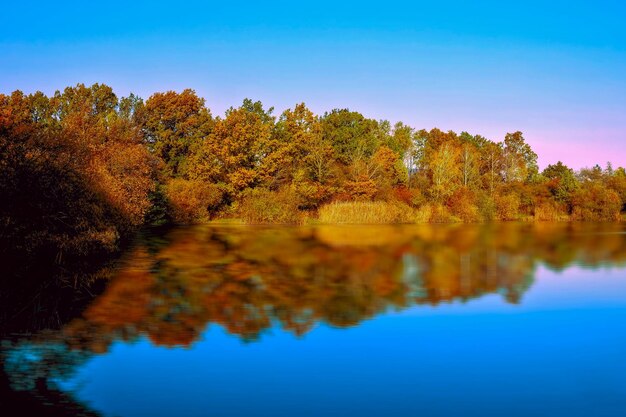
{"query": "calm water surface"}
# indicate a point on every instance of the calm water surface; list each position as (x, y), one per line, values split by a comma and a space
(500, 320)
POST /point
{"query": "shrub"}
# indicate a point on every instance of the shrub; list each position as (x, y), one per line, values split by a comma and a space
(410, 196)
(487, 208)
(361, 190)
(402, 194)
(262, 206)
(366, 212)
(594, 202)
(441, 214)
(617, 182)
(310, 194)
(424, 214)
(550, 211)
(192, 201)
(507, 206)
(462, 205)
(530, 197)
(123, 176)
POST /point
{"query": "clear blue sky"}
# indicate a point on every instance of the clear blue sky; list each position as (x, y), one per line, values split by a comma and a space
(555, 71)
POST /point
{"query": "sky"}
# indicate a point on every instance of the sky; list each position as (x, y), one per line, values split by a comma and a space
(556, 71)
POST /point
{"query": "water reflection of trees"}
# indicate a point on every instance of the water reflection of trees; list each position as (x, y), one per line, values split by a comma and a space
(248, 280)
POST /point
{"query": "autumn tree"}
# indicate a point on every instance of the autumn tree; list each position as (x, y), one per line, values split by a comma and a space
(414, 155)
(519, 162)
(297, 131)
(562, 181)
(593, 201)
(116, 163)
(174, 123)
(302, 157)
(352, 136)
(236, 154)
(76, 175)
(617, 182)
(469, 160)
(491, 163)
(444, 164)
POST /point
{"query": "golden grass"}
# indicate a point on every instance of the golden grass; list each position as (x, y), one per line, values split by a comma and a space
(366, 212)
(424, 214)
(550, 213)
(261, 206)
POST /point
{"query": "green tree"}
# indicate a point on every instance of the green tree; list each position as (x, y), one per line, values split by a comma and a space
(174, 123)
(352, 136)
(297, 133)
(562, 181)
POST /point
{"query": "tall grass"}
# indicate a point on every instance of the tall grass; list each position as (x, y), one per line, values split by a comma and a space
(424, 214)
(366, 212)
(262, 206)
(550, 212)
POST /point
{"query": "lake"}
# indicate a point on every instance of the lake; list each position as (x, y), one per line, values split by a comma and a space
(506, 319)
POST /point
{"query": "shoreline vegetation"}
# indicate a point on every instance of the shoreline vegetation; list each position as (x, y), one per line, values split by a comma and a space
(83, 169)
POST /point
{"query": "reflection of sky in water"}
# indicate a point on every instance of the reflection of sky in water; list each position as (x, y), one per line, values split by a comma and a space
(560, 352)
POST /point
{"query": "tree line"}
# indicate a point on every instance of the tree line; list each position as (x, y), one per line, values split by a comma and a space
(83, 167)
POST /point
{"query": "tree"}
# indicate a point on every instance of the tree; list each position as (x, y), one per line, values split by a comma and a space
(117, 165)
(469, 160)
(445, 171)
(593, 201)
(591, 174)
(297, 133)
(617, 182)
(414, 156)
(319, 160)
(562, 181)
(491, 163)
(352, 136)
(401, 139)
(174, 123)
(519, 162)
(235, 153)
(76, 176)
